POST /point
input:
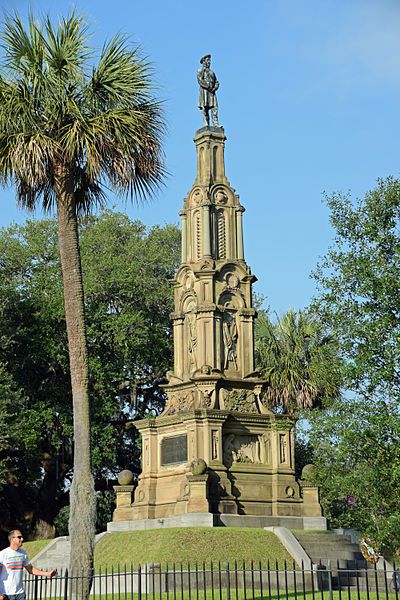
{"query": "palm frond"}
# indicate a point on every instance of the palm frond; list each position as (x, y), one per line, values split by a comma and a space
(66, 47)
(121, 79)
(23, 48)
(299, 362)
(105, 127)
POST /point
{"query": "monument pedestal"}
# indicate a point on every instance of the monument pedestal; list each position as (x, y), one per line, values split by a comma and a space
(250, 467)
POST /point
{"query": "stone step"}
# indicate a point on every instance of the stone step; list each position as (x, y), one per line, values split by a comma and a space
(333, 556)
(315, 544)
(56, 554)
(341, 558)
(323, 538)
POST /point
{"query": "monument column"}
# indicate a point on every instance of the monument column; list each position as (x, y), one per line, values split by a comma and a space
(239, 232)
(182, 213)
(206, 230)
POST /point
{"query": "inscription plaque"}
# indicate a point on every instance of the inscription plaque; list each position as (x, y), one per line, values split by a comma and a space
(173, 449)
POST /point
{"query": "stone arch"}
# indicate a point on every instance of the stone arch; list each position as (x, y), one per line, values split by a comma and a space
(188, 298)
(186, 279)
(232, 299)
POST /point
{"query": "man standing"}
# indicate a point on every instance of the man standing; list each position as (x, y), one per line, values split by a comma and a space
(12, 561)
(208, 86)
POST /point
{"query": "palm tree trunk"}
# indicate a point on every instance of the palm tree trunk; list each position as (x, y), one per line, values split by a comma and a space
(82, 497)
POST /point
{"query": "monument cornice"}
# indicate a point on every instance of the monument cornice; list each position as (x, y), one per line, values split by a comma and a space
(205, 308)
(175, 316)
(269, 421)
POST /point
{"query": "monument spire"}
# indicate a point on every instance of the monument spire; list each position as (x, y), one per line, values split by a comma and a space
(213, 319)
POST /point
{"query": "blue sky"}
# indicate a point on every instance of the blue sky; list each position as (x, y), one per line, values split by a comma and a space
(309, 98)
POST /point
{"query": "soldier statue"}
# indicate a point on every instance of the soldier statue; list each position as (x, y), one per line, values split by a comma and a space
(208, 86)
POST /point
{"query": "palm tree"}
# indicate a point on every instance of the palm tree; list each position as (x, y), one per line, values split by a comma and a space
(68, 129)
(298, 360)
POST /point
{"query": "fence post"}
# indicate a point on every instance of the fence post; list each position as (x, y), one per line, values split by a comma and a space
(139, 585)
(228, 582)
(36, 587)
(330, 580)
(66, 585)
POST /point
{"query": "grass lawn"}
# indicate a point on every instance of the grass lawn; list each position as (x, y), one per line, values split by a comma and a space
(188, 545)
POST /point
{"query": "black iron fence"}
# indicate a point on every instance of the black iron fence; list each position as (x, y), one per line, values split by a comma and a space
(236, 581)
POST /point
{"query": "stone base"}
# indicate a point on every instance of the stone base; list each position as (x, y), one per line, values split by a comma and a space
(219, 520)
(250, 467)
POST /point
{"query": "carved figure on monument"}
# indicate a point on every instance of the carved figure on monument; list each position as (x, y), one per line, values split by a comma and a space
(282, 448)
(192, 336)
(214, 445)
(208, 86)
(207, 400)
(230, 334)
(249, 450)
(220, 196)
(241, 449)
(229, 450)
(180, 402)
(265, 448)
(232, 281)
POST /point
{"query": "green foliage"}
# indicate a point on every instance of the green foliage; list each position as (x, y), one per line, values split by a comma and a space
(126, 269)
(61, 522)
(356, 442)
(105, 505)
(11, 402)
(299, 360)
(359, 288)
(356, 446)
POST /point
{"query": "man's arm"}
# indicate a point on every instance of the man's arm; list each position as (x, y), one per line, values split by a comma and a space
(34, 571)
(1, 595)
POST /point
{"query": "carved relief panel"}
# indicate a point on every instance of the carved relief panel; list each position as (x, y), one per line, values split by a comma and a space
(239, 400)
(251, 449)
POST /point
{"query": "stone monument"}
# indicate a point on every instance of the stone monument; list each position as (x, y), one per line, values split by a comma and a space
(217, 449)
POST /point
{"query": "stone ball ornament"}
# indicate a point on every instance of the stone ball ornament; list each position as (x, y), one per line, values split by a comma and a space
(307, 472)
(198, 466)
(125, 477)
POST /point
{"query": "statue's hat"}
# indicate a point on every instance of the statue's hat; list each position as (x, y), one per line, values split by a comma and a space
(203, 58)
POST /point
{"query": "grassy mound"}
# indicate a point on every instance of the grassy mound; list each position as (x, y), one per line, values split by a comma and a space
(190, 545)
(183, 545)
